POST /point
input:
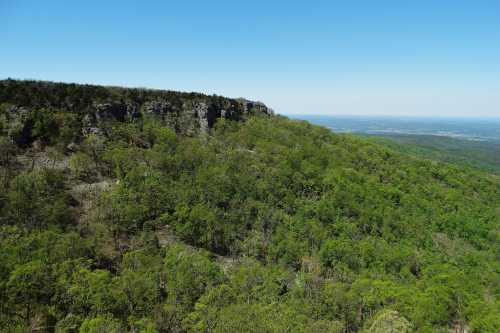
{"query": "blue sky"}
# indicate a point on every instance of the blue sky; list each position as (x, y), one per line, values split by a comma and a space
(316, 57)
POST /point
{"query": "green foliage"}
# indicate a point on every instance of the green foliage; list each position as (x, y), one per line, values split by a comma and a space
(81, 165)
(266, 225)
(68, 324)
(45, 126)
(483, 155)
(101, 324)
(389, 322)
(26, 288)
(37, 199)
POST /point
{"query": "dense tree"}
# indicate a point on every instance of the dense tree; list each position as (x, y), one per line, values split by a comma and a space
(262, 225)
(37, 199)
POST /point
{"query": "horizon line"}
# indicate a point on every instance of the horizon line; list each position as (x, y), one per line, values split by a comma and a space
(357, 115)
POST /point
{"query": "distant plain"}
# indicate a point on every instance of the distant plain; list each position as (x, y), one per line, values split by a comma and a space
(464, 141)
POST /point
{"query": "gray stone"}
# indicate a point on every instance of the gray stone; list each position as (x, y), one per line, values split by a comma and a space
(201, 110)
(111, 111)
(159, 108)
(72, 147)
(92, 122)
(195, 116)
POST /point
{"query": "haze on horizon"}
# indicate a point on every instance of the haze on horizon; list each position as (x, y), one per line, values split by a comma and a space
(424, 58)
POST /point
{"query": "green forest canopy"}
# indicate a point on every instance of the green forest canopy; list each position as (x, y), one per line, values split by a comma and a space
(264, 225)
(482, 155)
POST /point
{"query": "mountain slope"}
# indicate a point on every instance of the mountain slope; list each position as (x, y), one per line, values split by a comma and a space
(263, 225)
(483, 155)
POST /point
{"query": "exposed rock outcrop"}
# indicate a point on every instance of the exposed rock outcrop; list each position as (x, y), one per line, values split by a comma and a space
(192, 117)
(187, 113)
(201, 113)
(92, 121)
(257, 107)
(159, 108)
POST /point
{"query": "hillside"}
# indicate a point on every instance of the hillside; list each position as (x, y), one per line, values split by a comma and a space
(468, 142)
(115, 218)
(483, 155)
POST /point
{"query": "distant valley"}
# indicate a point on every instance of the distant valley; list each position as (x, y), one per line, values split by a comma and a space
(467, 142)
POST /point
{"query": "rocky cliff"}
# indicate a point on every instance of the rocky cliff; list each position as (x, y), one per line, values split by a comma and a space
(187, 113)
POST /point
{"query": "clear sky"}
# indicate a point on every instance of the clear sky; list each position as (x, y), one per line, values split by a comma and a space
(401, 57)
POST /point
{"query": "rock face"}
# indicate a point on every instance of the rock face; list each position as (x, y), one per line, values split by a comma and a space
(90, 126)
(192, 117)
(100, 113)
(96, 106)
(158, 108)
(201, 113)
(257, 107)
(200, 116)
(116, 111)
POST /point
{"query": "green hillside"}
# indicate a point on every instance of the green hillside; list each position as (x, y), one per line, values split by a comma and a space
(483, 155)
(258, 224)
